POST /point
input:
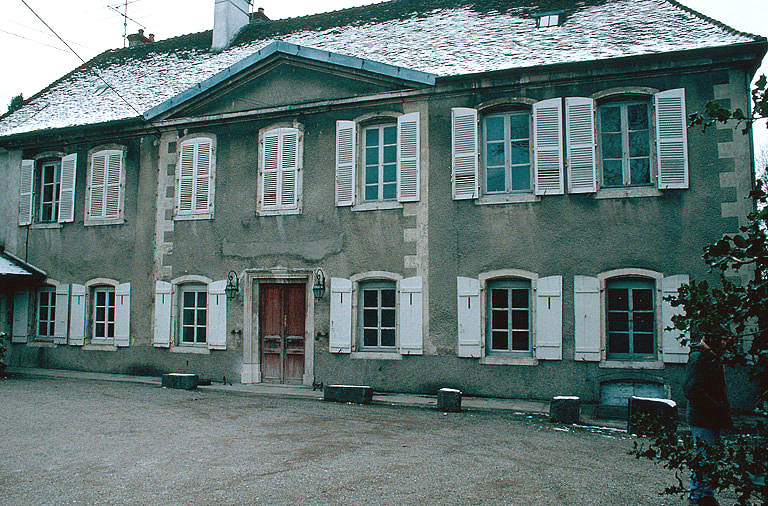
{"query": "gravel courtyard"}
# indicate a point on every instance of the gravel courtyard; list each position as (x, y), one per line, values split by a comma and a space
(74, 442)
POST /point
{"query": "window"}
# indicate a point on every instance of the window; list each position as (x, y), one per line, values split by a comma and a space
(630, 318)
(508, 316)
(46, 313)
(103, 314)
(377, 314)
(105, 187)
(625, 141)
(380, 162)
(507, 152)
(194, 315)
(195, 178)
(49, 187)
(548, 20)
(280, 186)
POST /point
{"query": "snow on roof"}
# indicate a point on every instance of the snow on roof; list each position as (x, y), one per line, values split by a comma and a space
(446, 38)
(8, 267)
(11, 265)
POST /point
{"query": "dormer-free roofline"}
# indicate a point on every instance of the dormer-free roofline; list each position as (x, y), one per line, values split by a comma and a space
(282, 47)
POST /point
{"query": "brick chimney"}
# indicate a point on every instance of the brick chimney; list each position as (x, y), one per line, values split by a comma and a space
(135, 39)
(229, 16)
(259, 16)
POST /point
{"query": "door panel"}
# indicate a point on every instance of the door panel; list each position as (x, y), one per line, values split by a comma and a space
(295, 311)
(282, 315)
(271, 333)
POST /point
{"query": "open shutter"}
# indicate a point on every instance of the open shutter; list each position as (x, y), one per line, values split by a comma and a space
(586, 308)
(77, 316)
(672, 350)
(217, 315)
(290, 139)
(671, 139)
(408, 145)
(346, 135)
(67, 188)
(26, 184)
(468, 314)
(61, 320)
(123, 314)
(464, 153)
(340, 340)
(113, 184)
(548, 146)
(162, 318)
(20, 317)
(411, 342)
(186, 189)
(203, 175)
(96, 186)
(269, 169)
(580, 145)
(549, 318)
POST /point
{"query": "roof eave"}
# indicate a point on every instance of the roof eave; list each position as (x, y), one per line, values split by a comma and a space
(34, 272)
(20, 137)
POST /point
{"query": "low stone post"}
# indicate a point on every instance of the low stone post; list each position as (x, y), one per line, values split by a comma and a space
(565, 409)
(359, 394)
(449, 399)
(663, 410)
(180, 380)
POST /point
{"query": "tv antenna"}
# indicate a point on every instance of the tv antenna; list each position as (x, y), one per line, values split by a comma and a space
(125, 17)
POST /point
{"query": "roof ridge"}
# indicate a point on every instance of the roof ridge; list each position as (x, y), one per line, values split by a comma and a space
(715, 22)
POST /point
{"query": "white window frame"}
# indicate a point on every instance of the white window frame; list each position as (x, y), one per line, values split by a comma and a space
(510, 285)
(101, 220)
(196, 288)
(280, 209)
(40, 184)
(548, 20)
(379, 286)
(623, 103)
(358, 351)
(507, 140)
(195, 215)
(95, 291)
(91, 286)
(51, 320)
(379, 118)
(177, 285)
(379, 126)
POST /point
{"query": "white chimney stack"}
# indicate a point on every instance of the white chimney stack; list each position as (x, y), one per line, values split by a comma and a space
(229, 16)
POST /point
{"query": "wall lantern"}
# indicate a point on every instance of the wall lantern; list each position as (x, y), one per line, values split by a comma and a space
(319, 286)
(233, 285)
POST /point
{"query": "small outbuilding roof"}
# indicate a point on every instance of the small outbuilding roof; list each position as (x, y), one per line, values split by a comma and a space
(440, 37)
(14, 268)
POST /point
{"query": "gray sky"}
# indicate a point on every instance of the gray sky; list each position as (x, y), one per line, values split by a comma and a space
(33, 58)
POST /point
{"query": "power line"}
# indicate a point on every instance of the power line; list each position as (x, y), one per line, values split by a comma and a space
(45, 33)
(33, 40)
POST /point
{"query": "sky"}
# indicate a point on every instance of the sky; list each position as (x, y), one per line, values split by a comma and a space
(36, 57)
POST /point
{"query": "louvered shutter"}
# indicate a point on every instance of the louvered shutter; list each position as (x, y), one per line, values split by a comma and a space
(67, 188)
(586, 308)
(408, 157)
(346, 136)
(548, 147)
(671, 139)
(77, 316)
(96, 186)
(340, 340)
(468, 314)
(217, 316)
(162, 317)
(26, 184)
(411, 331)
(61, 318)
(464, 153)
(580, 144)
(270, 155)
(113, 184)
(290, 139)
(203, 175)
(549, 318)
(123, 314)
(672, 350)
(20, 317)
(186, 189)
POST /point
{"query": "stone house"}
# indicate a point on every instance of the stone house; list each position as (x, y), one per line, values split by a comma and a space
(494, 196)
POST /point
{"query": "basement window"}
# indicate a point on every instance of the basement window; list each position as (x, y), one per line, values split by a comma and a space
(547, 19)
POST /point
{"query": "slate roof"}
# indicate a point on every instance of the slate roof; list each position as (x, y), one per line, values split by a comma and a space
(13, 267)
(442, 37)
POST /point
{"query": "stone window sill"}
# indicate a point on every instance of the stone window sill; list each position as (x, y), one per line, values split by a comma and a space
(191, 217)
(45, 225)
(198, 350)
(628, 364)
(99, 347)
(375, 355)
(111, 221)
(377, 206)
(277, 212)
(628, 192)
(508, 360)
(507, 198)
(41, 344)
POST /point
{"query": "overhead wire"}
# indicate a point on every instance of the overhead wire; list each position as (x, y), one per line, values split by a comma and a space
(33, 40)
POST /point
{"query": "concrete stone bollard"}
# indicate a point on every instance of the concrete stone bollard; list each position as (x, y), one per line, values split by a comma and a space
(359, 394)
(449, 399)
(664, 410)
(180, 380)
(565, 409)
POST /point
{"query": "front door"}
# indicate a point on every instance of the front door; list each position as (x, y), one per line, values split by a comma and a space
(281, 317)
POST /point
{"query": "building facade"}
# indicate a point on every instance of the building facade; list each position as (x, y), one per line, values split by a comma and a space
(504, 215)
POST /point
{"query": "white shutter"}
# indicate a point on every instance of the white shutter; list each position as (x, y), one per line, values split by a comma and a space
(672, 350)
(270, 155)
(77, 316)
(408, 157)
(123, 314)
(346, 137)
(67, 188)
(162, 318)
(464, 153)
(340, 340)
(61, 319)
(411, 341)
(217, 315)
(586, 308)
(113, 188)
(671, 139)
(186, 174)
(20, 317)
(96, 187)
(468, 315)
(549, 318)
(580, 144)
(203, 175)
(548, 146)
(26, 184)
(290, 138)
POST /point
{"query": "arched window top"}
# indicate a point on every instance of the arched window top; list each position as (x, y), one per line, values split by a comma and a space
(625, 93)
(101, 282)
(375, 276)
(501, 274)
(191, 279)
(506, 104)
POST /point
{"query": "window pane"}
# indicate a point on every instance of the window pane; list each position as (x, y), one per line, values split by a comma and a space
(111, 314)
(42, 329)
(387, 337)
(390, 191)
(618, 342)
(188, 334)
(189, 299)
(111, 298)
(390, 135)
(110, 330)
(44, 298)
(189, 317)
(390, 154)
(51, 312)
(370, 337)
(611, 144)
(372, 137)
(499, 320)
(200, 334)
(494, 128)
(612, 173)
(370, 318)
(371, 155)
(370, 298)
(519, 126)
(201, 318)
(520, 298)
(642, 322)
(637, 116)
(642, 299)
(521, 177)
(618, 321)
(499, 340)
(390, 173)
(499, 298)
(101, 298)
(387, 298)
(494, 154)
(48, 174)
(371, 193)
(618, 299)
(642, 343)
(100, 313)
(520, 341)
(520, 320)
(388, 318)
(371, 174)
(496, 181)
(99, 330)
(520, 152)
(202, 299)
(640, 170)
(639, 143)
(610, 119)
(47, 214)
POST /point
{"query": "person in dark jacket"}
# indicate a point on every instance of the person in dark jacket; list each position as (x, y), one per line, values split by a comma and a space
(708, 409)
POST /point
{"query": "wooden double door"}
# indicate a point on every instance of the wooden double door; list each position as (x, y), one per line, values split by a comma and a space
(282, 313)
